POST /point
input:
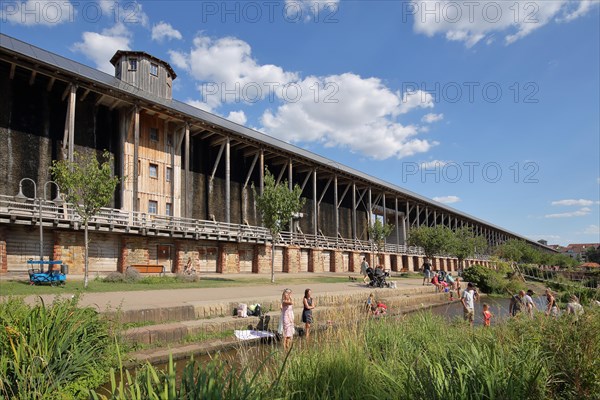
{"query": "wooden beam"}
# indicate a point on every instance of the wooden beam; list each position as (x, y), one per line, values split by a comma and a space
(85, 94)
(251, 170)
(325, 190)
(13, 67)
(50, 84)
(65, 93)
(100, 99)
(32, 78)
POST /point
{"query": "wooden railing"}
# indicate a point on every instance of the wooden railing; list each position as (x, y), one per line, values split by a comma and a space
(119, 221)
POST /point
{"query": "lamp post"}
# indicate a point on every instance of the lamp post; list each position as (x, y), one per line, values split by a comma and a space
(21, 198)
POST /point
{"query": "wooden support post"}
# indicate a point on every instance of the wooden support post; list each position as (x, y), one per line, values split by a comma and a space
(136, 158)
(336, 205)
(354, 233)
(228, 180)
(186, 186)
(315, 205)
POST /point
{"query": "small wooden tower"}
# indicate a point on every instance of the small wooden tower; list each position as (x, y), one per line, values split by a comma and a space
(145, 72)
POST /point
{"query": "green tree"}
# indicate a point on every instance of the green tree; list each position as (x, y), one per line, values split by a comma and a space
(593, 255)
(89, 185)
(465, 243)
(378, 231)
(511, 250)
(434, 240)
(277, 205)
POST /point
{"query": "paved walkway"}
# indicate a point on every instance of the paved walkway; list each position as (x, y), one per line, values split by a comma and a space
(174, 297)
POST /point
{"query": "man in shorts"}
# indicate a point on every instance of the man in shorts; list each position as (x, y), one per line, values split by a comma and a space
(426, 271)
(468, 302)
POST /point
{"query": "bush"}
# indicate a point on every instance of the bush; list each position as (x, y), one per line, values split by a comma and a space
(491, 281)
(132, 275)
(114, 277)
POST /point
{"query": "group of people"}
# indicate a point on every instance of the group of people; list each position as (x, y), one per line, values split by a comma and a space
(523, 301)
(286, 320)
(442, 280)
(375, 307)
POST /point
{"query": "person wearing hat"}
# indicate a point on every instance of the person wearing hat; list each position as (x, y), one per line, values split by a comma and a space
(529, 303)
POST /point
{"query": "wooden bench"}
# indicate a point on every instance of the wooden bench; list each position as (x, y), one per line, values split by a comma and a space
(148, 268)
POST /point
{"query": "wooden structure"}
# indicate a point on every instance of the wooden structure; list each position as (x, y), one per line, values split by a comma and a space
(189, 177)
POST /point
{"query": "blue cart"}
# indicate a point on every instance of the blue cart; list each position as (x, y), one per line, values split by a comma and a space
(37, 276)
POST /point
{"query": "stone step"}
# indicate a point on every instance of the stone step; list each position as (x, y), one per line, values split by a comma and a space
(215, 309)
(350, 306)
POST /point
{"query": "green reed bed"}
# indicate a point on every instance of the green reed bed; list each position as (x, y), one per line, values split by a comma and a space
(53, 351)
(415, 357)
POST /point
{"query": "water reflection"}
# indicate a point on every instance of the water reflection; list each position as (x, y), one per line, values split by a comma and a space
(498, 307)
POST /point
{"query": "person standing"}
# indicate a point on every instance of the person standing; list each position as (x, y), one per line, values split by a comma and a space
(363, 270)
(516, 304)
(287, 318)
(487, 315)
(529, 303)
(307, 316)
(426, 271)
(468, 302)
(551, 307)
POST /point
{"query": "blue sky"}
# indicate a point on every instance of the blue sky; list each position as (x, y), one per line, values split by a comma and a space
(491, 107)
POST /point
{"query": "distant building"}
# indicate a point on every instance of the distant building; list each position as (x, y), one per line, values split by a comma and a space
(544, 242)
(578, 250)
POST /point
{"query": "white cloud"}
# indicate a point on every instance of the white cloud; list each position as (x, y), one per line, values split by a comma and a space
(433, 164)
(573, 202)
(470, 22)
(342, 110)
(239, 117)
(447, 199)
(200, 104)
(163, 30)
(348, 111)
(431, 118)
(582, 212)
(592, 230)
(415, 99)
(37, 12)
(100, 47)
(243, 74)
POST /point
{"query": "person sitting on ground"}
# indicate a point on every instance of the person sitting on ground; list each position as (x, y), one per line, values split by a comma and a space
(436, 283)
(189, 267)
(450, 280)
(516, 304)
(381, 309)
(573, 306)
(529, 303)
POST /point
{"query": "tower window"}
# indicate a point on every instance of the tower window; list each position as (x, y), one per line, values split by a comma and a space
(152, 207)
(154, 134)
(153, 170)
(154, 69)
(133, 64)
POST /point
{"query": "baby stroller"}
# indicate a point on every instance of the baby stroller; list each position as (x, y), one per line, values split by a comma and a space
(377, 277)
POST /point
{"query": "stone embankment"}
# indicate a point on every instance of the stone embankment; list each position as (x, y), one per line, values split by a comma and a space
(172, 329)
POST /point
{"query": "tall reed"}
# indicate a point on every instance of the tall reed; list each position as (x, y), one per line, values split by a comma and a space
(51, 351)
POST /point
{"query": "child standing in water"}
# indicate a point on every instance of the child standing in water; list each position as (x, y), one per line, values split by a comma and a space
(487, 315)
(307, 317)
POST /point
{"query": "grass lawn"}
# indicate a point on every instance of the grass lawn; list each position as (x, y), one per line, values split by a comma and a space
(14, 288)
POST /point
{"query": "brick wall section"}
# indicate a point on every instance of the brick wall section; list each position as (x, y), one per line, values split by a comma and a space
(70, 249)
(291, 259)
(3, 258)
(262, 259)
(228, 259)
(337, 261)
(352, 262)
(314, 261)
(134, 250)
